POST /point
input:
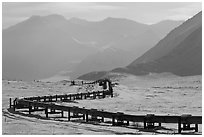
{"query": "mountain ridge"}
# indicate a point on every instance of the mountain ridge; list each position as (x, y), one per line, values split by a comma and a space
(179, 52)
(133, 46)
(41, 46)
(151, 60)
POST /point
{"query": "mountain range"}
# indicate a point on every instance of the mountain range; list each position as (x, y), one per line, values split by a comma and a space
(40, 47)
(180, 53)
(121, 51)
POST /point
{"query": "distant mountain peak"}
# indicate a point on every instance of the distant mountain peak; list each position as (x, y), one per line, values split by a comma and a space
(109, 19)
(54, 16)
(179, 52)
(35, 17)
(51, 17)
(41, 46)
(76, 19)
(80, 21)
(169, 21)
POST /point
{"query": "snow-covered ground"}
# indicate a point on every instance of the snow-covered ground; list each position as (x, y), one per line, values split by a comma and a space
(157, 94)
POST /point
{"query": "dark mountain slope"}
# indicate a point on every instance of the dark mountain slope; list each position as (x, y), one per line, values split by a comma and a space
(184, 60)
(40, 47)
(180, 52)
(164, 27)
(134, 41)
(173, 39)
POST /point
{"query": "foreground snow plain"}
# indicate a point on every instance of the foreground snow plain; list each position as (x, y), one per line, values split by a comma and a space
(159, 94)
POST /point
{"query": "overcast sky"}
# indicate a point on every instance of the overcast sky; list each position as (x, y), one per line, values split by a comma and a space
(146, 12)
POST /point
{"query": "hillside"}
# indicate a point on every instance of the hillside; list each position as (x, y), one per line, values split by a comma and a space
(165, 26)
(122, 51)
(42, 46)
(180, 52)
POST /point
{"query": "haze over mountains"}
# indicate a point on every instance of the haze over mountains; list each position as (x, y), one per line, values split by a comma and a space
(180, 53)
(40, 47)
(134, 40)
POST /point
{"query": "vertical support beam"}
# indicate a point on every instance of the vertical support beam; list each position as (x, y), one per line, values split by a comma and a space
(84, 116)
(196, 127)
(46, 112)
(78, 96)
(159, 124)
(94, 95)
(88, 95)
(179, 125)
(14, 105)
(44, 98)
(110, 88)
(145, 123)
(10, 103)
(87, 117)
(62, 114)
(65, 97)
(29, 107)
(69, 114)
(113, 121)
(97, 94)
(111, 93)
(128, 123)
(188, 126)
(81, 96)
(104, 94)
(102, 119)
(56, 98)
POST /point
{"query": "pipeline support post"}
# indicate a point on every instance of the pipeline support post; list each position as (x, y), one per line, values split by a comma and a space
(62, 114)
(14, 104)
(69, 114)
(46, 112)
(29, 107)
(56, 97)
(145, 123)
(179, 125)
(113, 120)
(196, 127)
(87, 116)
(10, 104)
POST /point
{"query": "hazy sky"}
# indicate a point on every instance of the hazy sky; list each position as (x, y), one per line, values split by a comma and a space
(146, 12)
